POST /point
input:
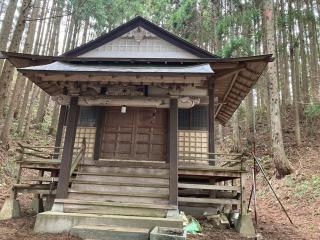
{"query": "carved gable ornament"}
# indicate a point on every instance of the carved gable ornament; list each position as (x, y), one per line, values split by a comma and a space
(138, 34)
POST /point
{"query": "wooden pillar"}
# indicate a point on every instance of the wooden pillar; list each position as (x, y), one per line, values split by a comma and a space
(64, 176)
(62, 119)
(211, 113)
(99, 133)
(173, 151)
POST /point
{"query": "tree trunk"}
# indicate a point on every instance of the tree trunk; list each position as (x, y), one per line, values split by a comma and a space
(54, 32)
(249, 117)
(7, 26)
(313, 54)
(304, 71)
(20, 79)
(8, 69)
(286, 98)
(85, 31)
(70, 32)
(44, 10)
(24, 106)
(54, 119)
(294, 78)
(35, 92)
(42, 107)
(20, 98)
(221, 135)
(279, 156)
(236, 133)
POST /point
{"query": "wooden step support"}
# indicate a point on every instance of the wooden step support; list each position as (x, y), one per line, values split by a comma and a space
(209, 187)
(223, 201)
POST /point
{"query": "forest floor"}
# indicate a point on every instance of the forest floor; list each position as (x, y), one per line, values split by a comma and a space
(299, 192)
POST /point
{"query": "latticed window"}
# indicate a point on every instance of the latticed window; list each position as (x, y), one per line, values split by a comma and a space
(195, 118)
(88, 116)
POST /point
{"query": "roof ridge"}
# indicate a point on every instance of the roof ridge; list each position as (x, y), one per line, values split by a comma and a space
(149, 26)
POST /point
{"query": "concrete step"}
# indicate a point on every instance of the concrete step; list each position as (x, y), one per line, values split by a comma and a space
(105, 232)
(114, 208)
(58, 222)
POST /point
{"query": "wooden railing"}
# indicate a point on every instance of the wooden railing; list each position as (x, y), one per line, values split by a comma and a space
(41, 153)
(207, 158)
(79, 157)
(38, 152)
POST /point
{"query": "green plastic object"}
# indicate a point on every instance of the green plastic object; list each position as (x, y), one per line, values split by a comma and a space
(193, 227)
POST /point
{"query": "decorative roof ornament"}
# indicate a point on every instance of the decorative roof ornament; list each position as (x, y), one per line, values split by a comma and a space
(138, 34)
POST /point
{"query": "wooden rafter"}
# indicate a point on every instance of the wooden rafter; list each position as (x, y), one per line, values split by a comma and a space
(228, 91)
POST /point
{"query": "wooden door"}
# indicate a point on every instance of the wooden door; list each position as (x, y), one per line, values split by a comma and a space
(138, 134)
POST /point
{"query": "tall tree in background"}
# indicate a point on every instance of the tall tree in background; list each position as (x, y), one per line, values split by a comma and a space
(294, 70)
(7, 26)
(20, 78)
(8, 69)
(280, 159)
(314, 61)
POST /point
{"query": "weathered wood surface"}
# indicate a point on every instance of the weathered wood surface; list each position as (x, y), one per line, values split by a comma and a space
(209, 200)
(117, 198)
(209, 187)
(66, 160)
(34, 188)
(127, 163)
(122, 179)
(173, 151)
(136, 190)
(123, 204)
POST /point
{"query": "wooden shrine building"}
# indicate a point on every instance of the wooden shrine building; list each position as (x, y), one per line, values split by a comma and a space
(135, 139)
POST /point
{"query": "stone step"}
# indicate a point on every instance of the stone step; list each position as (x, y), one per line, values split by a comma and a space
(121, 179)
(106, 232)
(117, 188)
(114, 208)
(58, 222)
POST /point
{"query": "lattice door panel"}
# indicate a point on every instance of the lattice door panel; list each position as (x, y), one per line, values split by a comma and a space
(84, 132)
(193, 146)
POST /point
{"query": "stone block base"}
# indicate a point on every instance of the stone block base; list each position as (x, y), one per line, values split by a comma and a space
(245, 226)
(10, 209)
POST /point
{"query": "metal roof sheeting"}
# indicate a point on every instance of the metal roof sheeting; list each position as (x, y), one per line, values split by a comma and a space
(103, 68)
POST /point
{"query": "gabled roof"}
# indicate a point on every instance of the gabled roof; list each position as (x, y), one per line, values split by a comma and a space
(149, 26)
